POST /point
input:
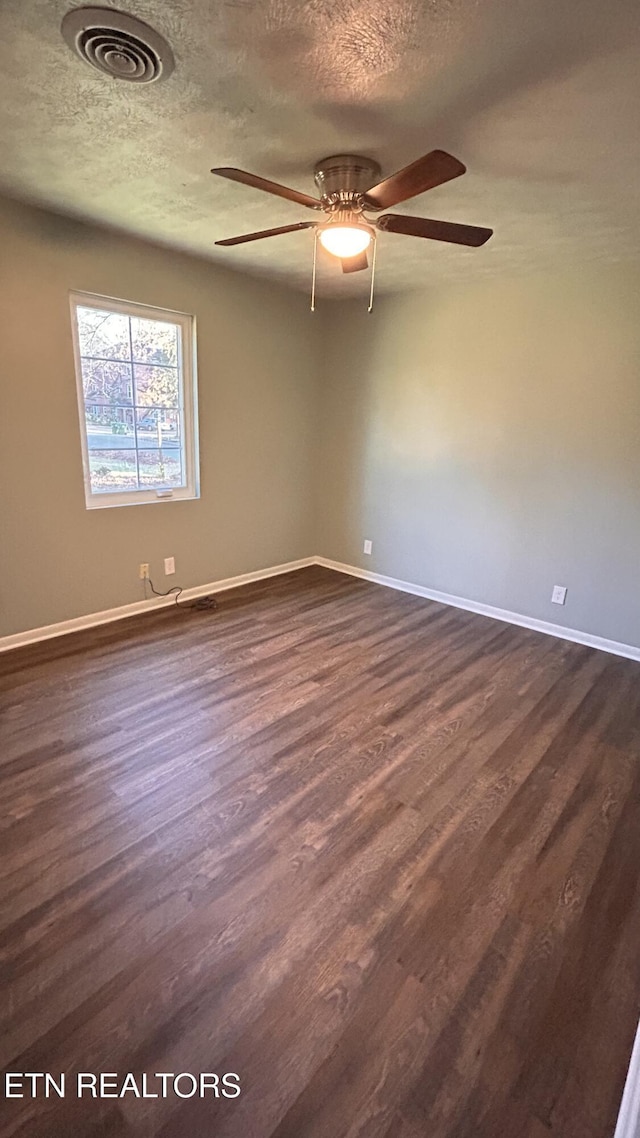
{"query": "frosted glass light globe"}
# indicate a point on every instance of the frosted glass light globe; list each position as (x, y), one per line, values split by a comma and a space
(345, 240)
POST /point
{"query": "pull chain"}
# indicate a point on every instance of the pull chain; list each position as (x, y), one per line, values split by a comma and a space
(313, 277)
(373, 273)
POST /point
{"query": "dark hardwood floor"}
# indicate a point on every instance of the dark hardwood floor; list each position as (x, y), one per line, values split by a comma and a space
(379, 857)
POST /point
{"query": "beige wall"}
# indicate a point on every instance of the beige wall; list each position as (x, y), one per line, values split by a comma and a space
(487, 439)
(257, 355)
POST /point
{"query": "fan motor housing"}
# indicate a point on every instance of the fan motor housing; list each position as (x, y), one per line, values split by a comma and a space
(345, 175)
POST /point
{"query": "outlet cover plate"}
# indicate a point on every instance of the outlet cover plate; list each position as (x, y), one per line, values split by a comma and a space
(559, 594)
(368, 546)
(169, 566)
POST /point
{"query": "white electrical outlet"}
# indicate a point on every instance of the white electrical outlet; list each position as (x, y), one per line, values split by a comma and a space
(559, 594)
(169, 566)
(143, 571)
(368, 546)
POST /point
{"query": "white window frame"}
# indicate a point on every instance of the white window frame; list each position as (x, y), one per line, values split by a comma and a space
(188, 406)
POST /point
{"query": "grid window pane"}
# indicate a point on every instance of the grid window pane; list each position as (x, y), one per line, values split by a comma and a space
(112, 427)
(103, 334)
(106, 381)
(157, 386)
(160, 467)
(131, 388)
(113, 470)
(158, 427)
(154, 341)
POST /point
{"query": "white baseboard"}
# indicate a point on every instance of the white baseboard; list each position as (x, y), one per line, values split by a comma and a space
(32, 635)
(617, 649)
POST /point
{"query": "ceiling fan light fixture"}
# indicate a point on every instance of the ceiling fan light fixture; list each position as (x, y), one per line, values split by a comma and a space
(345, 240)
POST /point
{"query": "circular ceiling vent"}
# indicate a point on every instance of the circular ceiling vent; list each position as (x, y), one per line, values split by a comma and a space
(118, 45)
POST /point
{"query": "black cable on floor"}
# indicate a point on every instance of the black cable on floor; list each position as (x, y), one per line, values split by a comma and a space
(202, 604)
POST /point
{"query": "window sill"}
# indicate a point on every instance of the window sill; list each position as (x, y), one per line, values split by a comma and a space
(137, 498)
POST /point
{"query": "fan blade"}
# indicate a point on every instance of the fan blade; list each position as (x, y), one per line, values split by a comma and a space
(427, 172)
(269, 187)
(354, 264)
(267, 233)
(435, 230)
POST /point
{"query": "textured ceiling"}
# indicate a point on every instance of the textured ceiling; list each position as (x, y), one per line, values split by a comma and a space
(540, 99)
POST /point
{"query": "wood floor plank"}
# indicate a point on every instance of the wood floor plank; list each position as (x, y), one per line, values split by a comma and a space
(379, 856)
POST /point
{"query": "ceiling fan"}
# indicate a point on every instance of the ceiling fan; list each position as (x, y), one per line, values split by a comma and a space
(347, 194)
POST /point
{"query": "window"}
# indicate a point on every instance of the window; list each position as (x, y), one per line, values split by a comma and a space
(137, 399)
